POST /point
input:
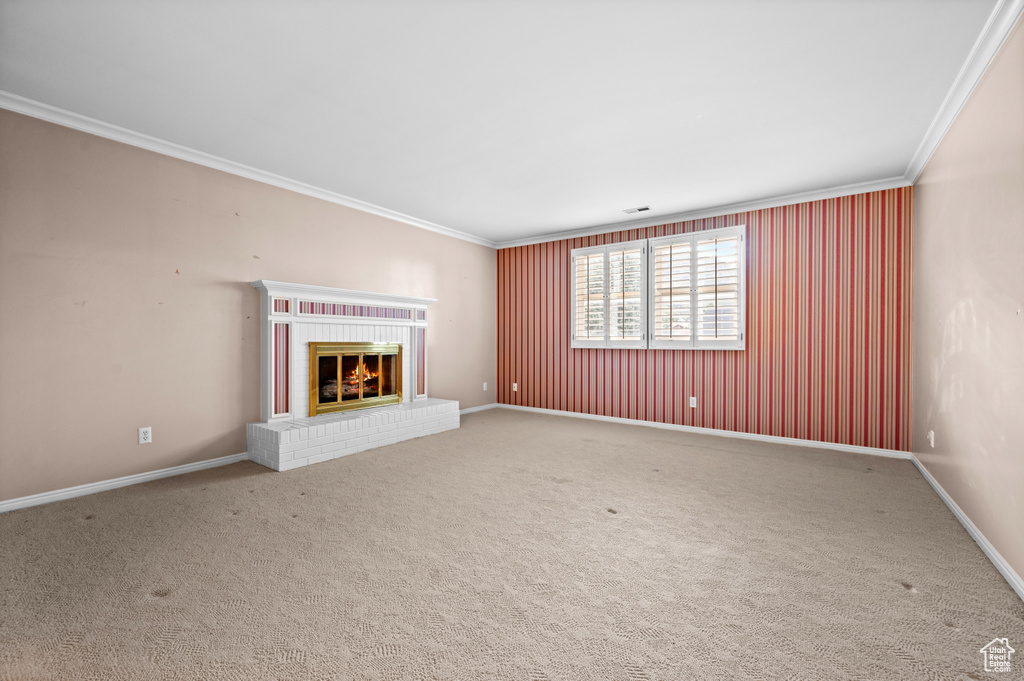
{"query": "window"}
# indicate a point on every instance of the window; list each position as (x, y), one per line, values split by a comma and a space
(674, 292)
(697, 287)
(610, 296)
(672, 316)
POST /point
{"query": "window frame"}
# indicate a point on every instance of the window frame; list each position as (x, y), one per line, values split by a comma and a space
(647, 295)
(694, 343)
(607, 250)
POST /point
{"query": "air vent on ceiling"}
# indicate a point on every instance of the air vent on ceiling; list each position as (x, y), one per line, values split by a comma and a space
(636, 210)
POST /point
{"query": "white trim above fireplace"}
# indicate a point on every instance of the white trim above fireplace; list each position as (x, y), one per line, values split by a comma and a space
(327, 293)
(293, 315)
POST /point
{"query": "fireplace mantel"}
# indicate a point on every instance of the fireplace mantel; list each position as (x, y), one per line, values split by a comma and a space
(293, 315)
(284, 289)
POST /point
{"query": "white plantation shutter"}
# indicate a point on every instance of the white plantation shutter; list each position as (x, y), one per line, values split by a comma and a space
(626, 288)
(697, 290)
(718, 289)
(672, 319)
(610, 295)
(672, 292)
(589, 296)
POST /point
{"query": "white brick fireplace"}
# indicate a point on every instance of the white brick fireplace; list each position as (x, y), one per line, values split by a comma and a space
(294, 315)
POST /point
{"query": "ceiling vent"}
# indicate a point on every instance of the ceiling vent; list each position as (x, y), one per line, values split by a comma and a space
(641, 209)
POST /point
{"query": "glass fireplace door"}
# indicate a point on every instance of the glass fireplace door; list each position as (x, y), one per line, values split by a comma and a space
(346, 376)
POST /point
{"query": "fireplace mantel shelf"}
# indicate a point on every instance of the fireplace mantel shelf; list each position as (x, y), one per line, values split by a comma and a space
(296, 320)
(284, 288)
(295, 315)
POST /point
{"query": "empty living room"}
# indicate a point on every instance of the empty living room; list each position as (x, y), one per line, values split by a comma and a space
(539, 341)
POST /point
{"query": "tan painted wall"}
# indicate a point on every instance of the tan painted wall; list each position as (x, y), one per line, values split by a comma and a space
(124, 302)
(969, 307)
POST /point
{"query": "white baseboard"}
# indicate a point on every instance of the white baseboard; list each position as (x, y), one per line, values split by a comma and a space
(482, 407)
(1008, 573)
(104, 485)
(775, 439)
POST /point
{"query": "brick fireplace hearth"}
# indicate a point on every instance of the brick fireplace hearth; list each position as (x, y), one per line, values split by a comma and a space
(298, 316)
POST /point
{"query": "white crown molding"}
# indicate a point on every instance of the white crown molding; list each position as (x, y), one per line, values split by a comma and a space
(997, 29)
(284, 289)
(104, 485)
(715, 211)
(69, 119)
(99, 128)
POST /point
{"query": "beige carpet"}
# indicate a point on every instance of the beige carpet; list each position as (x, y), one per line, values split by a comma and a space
(518, 547)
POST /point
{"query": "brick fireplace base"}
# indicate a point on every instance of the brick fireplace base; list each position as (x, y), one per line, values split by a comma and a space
(284, 445)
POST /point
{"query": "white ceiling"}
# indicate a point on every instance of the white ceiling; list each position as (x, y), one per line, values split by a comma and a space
(512, 119)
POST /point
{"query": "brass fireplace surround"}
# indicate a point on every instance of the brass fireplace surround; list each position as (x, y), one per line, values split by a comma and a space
(344, 376)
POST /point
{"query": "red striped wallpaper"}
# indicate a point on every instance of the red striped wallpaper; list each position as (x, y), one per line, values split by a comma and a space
(345, 310)
(828, 331)
(282, 349)
(421, 360)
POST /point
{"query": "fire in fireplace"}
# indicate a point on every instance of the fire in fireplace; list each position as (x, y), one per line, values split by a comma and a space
(353, 375)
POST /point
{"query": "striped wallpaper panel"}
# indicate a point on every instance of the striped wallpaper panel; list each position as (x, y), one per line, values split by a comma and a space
(828, 348)
(344, 310)
(421, 361)
(282, 349)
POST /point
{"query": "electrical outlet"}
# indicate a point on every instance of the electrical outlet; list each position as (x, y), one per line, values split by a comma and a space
(693, 402)
(485, 385)
(931, 438)
(145, 435)
(515, 387)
